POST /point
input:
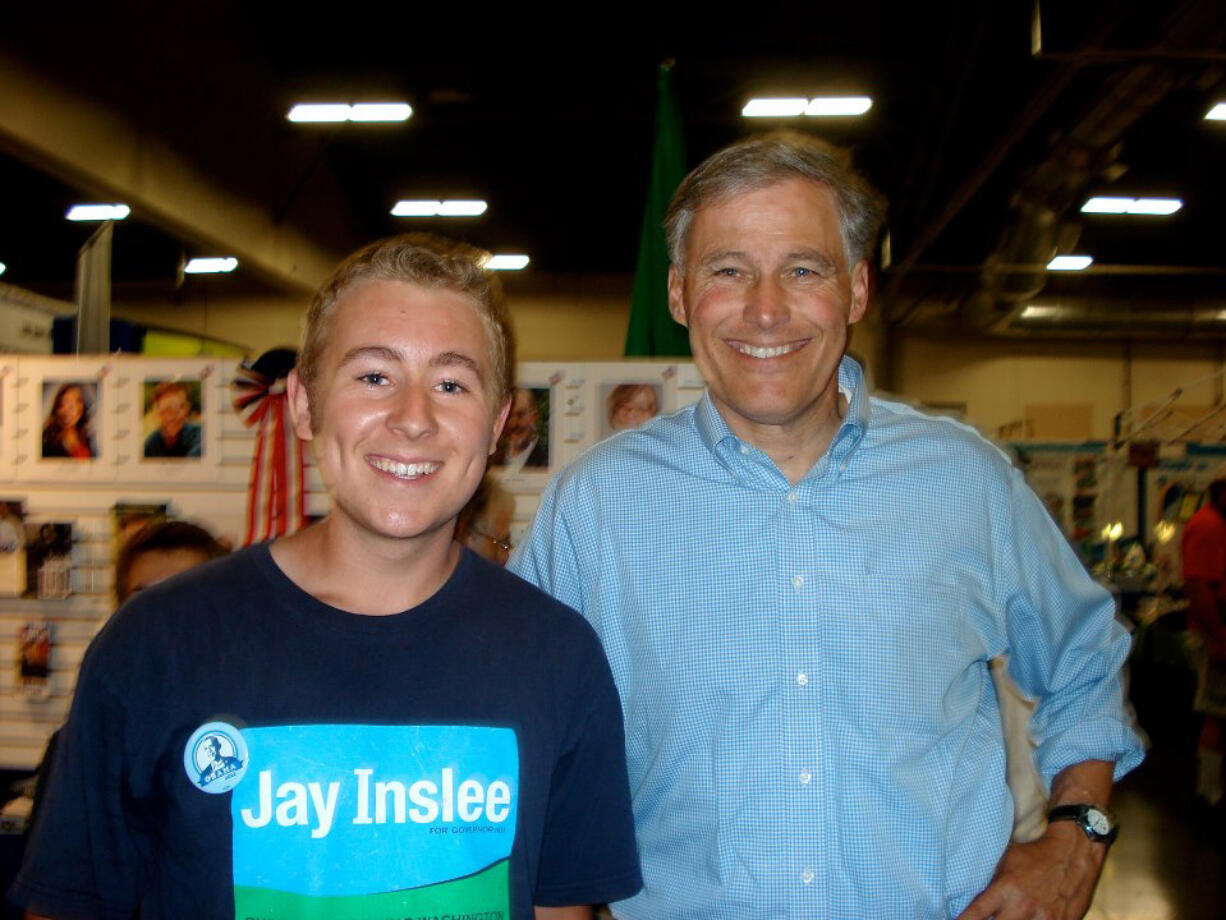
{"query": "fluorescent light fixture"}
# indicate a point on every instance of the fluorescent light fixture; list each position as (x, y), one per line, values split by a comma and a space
(1041, 311)
(434, 208)
(1217, 113)
(506, 262)
(774, 108)
(317, 112)
(1069, 263)
(98, 212)
(462, 208)
(838, 106)
(416, 208)
(332, 112)
(1109, 205)
(2, 268)
(210, 266)
(380, 111)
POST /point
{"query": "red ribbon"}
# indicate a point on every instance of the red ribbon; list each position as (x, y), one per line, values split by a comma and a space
(276, 493)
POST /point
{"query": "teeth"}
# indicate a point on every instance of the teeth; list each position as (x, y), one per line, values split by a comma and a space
(755, 352)
(403, 470)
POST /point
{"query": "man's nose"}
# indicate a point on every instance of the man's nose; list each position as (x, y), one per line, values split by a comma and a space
(766, 304)
(412, 412)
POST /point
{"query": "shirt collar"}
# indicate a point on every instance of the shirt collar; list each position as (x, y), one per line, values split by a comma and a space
(723, 444)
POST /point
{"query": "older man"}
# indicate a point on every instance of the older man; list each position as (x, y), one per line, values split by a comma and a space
(361, 719)
(800, 587)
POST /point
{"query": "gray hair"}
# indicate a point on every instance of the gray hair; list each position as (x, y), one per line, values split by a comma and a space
(768, 159)
(423, 259)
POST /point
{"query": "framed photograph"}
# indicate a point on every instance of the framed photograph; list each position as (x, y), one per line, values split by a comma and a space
(69, 410)
(527, 439)
(65, 419)
(169, 418)
(173, 426)
(627, 405)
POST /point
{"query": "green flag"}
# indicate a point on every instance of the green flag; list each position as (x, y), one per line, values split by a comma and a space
(652, 330)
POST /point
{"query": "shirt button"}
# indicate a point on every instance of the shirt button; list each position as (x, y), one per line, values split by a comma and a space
(807, 876)
(792, 497)
(805, 777)
(744, 450)
(803, 679)
(798, 581)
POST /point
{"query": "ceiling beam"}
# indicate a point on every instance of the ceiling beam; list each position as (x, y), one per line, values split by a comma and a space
(105, 154)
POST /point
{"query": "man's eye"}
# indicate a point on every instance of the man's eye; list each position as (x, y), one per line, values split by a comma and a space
(374, 379)
(452, 386)
(726, 272)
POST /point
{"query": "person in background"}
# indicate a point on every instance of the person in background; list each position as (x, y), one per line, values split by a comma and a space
(175, 436)
(800, 587)
(484, 524)
(66, 431)
(153, 554)
(1204, 579)
(631, 404)
(160, 550)
(404, 728)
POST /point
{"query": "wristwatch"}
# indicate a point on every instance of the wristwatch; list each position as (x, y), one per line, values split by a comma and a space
(1098, 823)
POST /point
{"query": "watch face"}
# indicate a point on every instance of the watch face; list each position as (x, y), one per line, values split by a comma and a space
(1098, 822)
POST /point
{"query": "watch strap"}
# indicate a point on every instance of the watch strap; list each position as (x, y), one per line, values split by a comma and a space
(1081, 815)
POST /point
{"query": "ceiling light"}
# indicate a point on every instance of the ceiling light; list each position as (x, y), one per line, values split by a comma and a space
(434, 208)
(380, 111)
(332, 112)
(98, 212)
(506, 262)
(774, 108)
(1217, 113)
(2, 268)
(314, 112)
(1041, 311)
(210, 266)
(461, 208)
(838, 106)
(1069, 263)
(1109, 205)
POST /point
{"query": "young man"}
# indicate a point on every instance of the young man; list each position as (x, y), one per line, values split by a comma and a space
(402, 729)
(801, 591)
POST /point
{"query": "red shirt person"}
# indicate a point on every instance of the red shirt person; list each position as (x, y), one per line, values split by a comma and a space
(1204, 576)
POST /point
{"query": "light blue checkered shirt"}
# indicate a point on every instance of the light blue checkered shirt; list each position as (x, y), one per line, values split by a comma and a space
(811, 726)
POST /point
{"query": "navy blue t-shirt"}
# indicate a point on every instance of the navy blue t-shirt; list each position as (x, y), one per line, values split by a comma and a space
(237, 748)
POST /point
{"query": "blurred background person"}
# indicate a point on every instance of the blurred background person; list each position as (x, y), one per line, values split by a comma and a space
(631, 404)
(155, 553)
(160, 550)
(484, 524)
(66, 430)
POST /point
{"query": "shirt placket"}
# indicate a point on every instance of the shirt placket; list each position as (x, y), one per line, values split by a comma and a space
(803, 888)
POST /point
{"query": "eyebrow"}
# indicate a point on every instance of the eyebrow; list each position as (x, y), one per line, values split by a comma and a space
(371, 351)
(384, 353)
(457, 359)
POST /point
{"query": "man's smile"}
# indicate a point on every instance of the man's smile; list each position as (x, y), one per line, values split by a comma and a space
(403, 470)
(764, 351)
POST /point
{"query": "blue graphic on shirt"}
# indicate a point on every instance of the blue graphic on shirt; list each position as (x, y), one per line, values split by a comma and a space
(341, 810)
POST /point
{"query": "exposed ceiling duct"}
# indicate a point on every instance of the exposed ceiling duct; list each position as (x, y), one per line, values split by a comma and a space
(1014, 274)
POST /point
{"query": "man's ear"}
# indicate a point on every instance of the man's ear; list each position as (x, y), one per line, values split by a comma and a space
(299, 406)
(676, 295)
(859, 292)
(499, 421)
